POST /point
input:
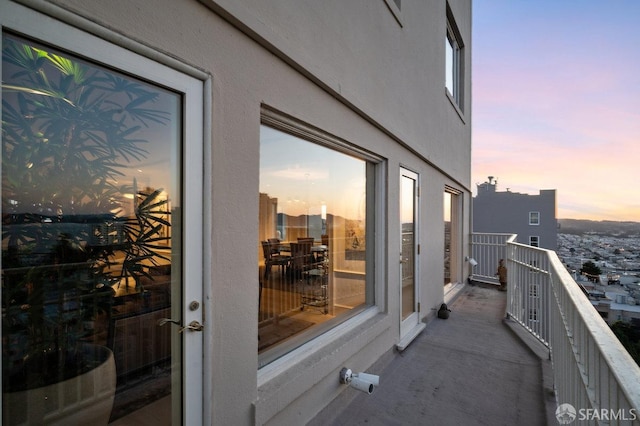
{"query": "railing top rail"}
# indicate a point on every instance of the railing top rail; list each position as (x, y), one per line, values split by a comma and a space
(509, 238)
(493, 233)
(620, 363)
(497, 234)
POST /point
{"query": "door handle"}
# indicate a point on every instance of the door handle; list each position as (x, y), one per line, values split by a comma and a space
(193, 325)
(163, 321)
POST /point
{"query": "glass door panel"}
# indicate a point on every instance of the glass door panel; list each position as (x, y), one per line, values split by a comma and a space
(91, 242)
(408, 225)
(447, 237)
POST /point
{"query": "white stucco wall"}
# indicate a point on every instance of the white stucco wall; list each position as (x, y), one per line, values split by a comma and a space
(350, 69)
(359, 52)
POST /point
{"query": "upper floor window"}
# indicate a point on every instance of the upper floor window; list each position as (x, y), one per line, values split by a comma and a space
(454, 61)
(534, 218)
(315, 236)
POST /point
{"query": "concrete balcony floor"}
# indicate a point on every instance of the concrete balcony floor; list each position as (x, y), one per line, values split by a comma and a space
(474, 368)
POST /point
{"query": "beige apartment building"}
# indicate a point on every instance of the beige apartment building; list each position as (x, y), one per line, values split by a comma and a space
(225, 202)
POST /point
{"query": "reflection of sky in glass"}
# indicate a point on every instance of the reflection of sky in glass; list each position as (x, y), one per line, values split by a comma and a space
(305, 176)
(162, 163)
(447, 206)
(163, 149)
(407, 205)
(449, 65)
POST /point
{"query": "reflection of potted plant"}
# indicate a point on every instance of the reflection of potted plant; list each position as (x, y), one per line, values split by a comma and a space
(68, 131)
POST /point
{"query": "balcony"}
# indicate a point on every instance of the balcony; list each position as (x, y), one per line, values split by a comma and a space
(591, 369)
(505, 357)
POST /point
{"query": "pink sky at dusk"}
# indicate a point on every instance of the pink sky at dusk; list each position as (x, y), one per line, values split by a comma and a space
(556, 102)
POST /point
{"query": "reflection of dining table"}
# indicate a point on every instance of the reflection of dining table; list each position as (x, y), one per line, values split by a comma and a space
(317, 255)
(320, 248)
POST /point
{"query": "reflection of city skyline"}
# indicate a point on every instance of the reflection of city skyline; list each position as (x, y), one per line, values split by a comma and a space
(123, 205)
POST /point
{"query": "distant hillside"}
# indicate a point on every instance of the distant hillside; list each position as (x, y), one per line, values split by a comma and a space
(601, 227)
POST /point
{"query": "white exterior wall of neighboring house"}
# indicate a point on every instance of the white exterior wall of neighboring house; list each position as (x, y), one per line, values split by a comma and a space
(363, 71)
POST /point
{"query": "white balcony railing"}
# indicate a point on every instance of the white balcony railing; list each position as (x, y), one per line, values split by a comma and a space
(591, 368)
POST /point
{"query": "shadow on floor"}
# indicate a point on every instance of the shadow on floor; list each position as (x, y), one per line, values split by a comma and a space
(470, 369)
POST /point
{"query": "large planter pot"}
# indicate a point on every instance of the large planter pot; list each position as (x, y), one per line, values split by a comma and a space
(86, 399)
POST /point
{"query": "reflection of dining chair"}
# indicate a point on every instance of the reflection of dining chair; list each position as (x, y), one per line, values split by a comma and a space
(271, 259)
(308, 248)
(308, 241)
(260, 285)
(275, 245)
(301, 260)
(322, 255)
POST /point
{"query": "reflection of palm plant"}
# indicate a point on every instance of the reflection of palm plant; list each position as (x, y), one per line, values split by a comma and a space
(68, 131)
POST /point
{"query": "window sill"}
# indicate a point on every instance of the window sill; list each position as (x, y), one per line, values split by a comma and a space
(395, 10)
(307, 365)
(455, 105)
(282, 365)
(451, 291)
(411, 335)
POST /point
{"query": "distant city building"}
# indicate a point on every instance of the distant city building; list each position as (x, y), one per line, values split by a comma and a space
(531, 217)
(618, 302)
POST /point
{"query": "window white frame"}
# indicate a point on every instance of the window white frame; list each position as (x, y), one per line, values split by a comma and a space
(455, 243)
(534, 241)
(395, 6)
(375, 218)
(454, 62)
(102, 46)
(534, 218)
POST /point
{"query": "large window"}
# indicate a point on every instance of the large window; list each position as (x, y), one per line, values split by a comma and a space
(454, 61)
(315, 238)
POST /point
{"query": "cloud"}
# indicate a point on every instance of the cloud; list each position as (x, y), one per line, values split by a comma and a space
(299, 174)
